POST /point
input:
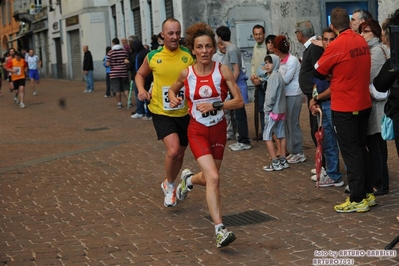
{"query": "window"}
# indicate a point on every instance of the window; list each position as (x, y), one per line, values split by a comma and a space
(169, 8)
(152, 24)
(9, 12)
(135, 4)
(113, 12)
(3, 12)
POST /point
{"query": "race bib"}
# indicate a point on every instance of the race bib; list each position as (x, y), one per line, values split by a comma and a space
(209, 118)
(166, 100)
(17, 70)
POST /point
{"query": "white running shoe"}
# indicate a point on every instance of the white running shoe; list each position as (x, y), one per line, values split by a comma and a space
(21, 105)
(224, 237)
(34, 93)
(170, 194)
(136, 115)
(182, 188)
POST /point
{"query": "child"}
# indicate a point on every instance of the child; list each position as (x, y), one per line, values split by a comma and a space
(274, 113)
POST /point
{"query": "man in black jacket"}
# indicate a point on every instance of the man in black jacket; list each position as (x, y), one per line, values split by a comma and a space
(88, 69)
(305, 34)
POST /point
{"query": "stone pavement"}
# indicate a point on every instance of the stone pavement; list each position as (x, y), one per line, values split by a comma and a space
(80, 185)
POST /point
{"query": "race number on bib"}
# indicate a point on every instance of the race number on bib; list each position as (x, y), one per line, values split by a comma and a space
(166, 101)
(17, 70)
(209, 118)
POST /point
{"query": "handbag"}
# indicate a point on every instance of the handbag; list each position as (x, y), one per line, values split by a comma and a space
(387, 132)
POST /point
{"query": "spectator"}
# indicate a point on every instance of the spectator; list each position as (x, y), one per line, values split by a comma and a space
(88, 69)
(350, 105)
(359, 16)
(107, 71)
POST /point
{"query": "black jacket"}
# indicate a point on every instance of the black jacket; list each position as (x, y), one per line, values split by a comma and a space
(309, 58)
(387, 80)
(87, 61)
(139, 53)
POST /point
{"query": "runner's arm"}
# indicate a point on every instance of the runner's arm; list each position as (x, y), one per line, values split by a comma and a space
(237, 101)
(174, 101)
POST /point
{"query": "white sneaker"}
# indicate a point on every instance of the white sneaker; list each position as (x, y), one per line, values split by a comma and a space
(136, 115)
(16, 101)
(86, 91)
(239, 146)
(326, 181)
(224, 237)
(323, 172)
(313, 171)
(297, 158)
(119, 106)
(21, 105)
(170, 194)
(34, 93)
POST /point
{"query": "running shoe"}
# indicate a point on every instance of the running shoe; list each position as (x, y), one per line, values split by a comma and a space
(353, 206)
(273, 167)
(370, 198)
(119, 105)
(239, 146)
(224, 237)
(347, 190)
(136, 115)
(313, 171)
(16, 100)
(326, 181)
(284, 163)
(297, 158)
(182, 188)
(34, 93)
(21, 105)
(170, 194)
(147, 118)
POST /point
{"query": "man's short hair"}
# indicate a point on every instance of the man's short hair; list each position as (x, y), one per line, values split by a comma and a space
(327, 29)
(115, 41)
(363, 14)
(224, 33)
(306, 27)
(340, 18)
(257, 26)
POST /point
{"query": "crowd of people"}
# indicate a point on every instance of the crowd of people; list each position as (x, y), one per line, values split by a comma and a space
(193, 113)
(195, 94)
(16, 68)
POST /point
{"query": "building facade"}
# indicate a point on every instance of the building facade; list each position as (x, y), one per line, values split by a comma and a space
(57, 29)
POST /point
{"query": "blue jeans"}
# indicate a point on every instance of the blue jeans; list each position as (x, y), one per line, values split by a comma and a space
(330, 145)
(89, 80)
(260, 96)
(139, 104)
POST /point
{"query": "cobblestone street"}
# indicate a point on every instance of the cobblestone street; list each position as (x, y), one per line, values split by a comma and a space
(80, 185)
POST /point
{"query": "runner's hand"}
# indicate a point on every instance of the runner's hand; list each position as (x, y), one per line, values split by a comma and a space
(175, 102)
(144, 95)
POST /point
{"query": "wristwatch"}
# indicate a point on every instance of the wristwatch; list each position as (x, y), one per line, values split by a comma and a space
(217, 105)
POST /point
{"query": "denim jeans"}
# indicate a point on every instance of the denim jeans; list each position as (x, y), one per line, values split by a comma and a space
(240, 116)
(108, 83)
(330, 145)
(89, 80)
(260, 96)
(139, 104)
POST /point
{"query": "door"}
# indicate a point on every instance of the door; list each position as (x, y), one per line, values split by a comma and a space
(59, 74)
(76, 55)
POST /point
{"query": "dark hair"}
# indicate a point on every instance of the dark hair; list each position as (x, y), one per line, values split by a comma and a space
(257, 26)
(268, 59)
(224, 33)
(327, 29)
(107, 49)
(115, 41)
(340, 18)
(270, 38)
(374, 27)
(281, 44)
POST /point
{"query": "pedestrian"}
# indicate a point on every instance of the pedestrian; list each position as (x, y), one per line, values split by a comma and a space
(170, 123)
(88, 69)
(17, 67)
(289, 69)
(304, 32)
(135, 61)
(258, 56)
(118, 75)
(206, 85)
(34, 63)
(107, 71)
(10, 55)
(233, 60)
(274, 107)
(359, 16)
(350, 106)
(330, 174)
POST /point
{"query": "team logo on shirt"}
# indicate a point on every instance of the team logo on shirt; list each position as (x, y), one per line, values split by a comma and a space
(184, 59)
(159, 61)
(205, 91)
